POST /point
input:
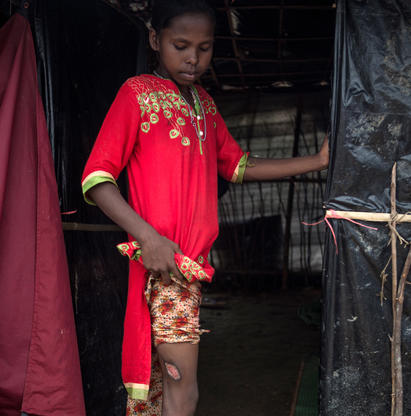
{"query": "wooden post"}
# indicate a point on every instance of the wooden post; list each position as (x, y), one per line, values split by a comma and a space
(397, 307)
(290, 200)
(394, 341)
(398, 393)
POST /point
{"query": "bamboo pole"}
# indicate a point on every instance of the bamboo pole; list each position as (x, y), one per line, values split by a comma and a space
(271, 7)
(369, 216)
(236, 49)
(290, 200)
(396, 339)
(297, 388)
(273, 61)
(266, 39)
(395, 345)
(78, 226)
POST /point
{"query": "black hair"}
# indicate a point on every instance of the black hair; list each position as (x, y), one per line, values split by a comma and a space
(164, 11)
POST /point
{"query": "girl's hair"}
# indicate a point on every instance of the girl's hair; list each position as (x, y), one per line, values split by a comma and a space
(164, 11)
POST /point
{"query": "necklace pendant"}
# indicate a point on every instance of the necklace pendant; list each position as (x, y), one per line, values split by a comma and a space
(197, 113)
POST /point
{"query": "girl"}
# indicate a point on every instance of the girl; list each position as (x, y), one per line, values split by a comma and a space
(168, 133)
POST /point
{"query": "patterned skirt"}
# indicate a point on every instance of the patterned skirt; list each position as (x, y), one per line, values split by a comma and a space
(174, 311)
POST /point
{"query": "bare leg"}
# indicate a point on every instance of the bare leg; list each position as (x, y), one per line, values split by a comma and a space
(179, 367)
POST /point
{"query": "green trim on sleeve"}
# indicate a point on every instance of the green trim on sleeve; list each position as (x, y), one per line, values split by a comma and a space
(95, 180)
(242, 164)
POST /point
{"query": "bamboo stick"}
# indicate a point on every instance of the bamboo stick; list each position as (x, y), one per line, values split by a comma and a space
(396, 339)
(297, 388)
(284, 38)
(396, 370)
(369, 216)
(290, 200)
(78, 226)
(286, 7)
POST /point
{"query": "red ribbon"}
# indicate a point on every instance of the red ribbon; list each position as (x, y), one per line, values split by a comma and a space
(333, 214)
(69, 212)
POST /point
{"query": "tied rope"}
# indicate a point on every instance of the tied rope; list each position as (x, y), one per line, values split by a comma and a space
(395, 218)
(333, 214)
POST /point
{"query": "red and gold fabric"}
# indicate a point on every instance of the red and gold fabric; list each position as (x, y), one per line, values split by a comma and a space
(190, 269)
(172, 184)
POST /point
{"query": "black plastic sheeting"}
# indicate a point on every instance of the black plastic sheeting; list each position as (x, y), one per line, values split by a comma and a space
(371, 129)
(85, 51)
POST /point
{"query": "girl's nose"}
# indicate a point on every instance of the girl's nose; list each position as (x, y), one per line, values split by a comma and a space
(192, 58)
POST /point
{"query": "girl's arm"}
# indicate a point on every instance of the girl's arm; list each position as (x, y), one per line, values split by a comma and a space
(157, 250)
(269, 169)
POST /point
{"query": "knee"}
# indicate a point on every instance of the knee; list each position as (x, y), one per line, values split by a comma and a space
(181, 408)
(180, 396)
(188, 402)
(193, 397)
(183, 399)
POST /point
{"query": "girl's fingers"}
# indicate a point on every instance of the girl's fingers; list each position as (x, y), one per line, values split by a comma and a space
(163, 262)
(177, 273)
(165, 277)
(178, 249)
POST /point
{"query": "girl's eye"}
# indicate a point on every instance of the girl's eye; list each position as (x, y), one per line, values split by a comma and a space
(205, 49)
(179, 48)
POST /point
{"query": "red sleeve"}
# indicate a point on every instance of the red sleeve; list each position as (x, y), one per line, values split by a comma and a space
(115, 141)
(229, 153)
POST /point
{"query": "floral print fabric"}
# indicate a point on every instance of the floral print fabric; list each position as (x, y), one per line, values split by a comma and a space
(174, 311)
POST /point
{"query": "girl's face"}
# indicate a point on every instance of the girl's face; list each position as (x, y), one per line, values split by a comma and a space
(185, 48)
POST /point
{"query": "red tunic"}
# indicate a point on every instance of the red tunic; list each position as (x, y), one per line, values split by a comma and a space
(172, 177)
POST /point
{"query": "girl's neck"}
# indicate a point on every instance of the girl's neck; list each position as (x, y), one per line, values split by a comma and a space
(185, 90)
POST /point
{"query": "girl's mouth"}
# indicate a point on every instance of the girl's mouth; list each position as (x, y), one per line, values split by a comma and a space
(189, 75)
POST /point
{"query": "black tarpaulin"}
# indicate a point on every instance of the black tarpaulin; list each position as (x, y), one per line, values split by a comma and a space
(371, 129)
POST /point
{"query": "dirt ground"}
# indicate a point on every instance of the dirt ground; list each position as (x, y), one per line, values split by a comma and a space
(249, 363)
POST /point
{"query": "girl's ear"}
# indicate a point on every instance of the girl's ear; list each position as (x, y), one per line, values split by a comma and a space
(154, 40)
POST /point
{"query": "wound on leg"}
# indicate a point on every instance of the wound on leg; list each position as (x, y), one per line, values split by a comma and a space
(173, 371)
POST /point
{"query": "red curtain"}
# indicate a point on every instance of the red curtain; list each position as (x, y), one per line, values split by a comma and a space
(39, 360)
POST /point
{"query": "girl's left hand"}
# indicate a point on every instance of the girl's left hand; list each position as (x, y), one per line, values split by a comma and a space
(324, 153)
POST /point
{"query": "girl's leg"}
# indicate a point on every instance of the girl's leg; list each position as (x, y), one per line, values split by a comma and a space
(179, 367)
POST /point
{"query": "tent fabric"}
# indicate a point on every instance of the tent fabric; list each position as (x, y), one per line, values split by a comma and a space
(39, 360)
(85, 51)
(371, 129)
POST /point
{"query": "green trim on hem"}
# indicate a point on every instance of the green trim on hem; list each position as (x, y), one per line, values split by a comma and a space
(242, 164)
(137, 394)
(93, 182)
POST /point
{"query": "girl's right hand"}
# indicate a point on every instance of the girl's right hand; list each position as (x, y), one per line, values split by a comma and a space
(158, 252)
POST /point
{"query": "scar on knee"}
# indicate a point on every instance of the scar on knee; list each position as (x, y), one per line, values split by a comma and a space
(173, 371)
